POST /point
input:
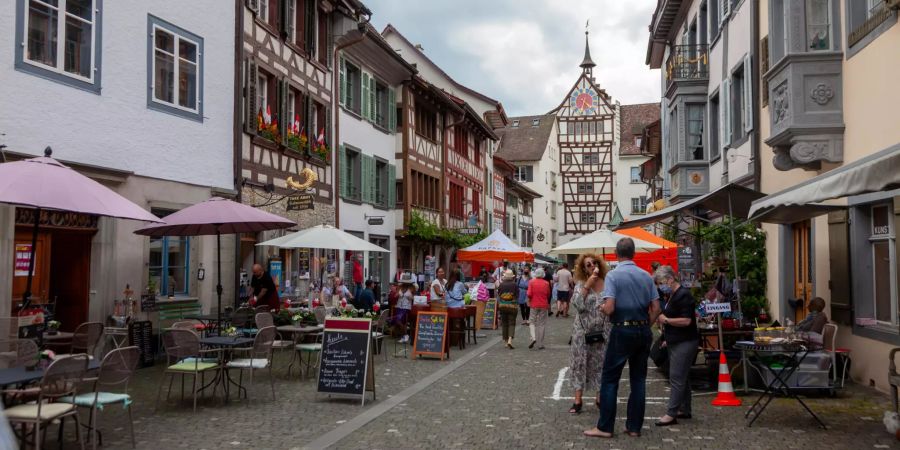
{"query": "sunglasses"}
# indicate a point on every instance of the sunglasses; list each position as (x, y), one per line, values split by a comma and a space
(588, 263)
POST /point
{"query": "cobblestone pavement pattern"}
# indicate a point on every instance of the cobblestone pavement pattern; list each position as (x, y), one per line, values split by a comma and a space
(499, 399)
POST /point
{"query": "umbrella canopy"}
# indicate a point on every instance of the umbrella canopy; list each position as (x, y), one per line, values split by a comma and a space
(644, 235)
(45, 183)
(324, 237)
(495, 247)
(216, 216)
(598, 241)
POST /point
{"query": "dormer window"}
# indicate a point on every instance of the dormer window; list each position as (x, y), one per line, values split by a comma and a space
(535, 122)
(515, 124)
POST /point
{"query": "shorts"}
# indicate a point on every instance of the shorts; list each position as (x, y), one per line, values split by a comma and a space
(400, 317)
(563, 296)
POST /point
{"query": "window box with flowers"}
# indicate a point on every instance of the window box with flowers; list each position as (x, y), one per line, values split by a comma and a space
(320, 151)
(267, 126)
(296, 140)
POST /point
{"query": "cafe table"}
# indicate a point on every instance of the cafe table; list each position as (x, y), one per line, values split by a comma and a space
(18, 376)
(58, 336)
(227, 344)
(789, 357)
(298, 332)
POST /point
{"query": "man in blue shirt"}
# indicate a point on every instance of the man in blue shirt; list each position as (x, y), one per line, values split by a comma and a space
(632, 304)
(366, 298)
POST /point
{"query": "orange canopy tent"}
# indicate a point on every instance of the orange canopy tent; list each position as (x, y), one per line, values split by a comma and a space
(495, 247)
(644, 235)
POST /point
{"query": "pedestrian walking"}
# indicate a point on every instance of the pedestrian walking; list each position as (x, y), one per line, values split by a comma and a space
(632, 304)
(539, 300)
(522, 283)
(590, 330)
(682, 340)
(507, 296)
(564, 284)
(404, 303)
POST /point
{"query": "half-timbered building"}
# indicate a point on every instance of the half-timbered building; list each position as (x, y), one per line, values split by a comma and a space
(287, 85)
(586, 132)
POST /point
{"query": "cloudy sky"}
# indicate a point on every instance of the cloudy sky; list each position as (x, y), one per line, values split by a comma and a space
(525, 53)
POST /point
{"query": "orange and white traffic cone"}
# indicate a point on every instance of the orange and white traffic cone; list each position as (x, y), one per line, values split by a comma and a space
(726, 395)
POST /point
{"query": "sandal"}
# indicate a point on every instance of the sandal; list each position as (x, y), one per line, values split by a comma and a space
(594, 432)
(576, 408)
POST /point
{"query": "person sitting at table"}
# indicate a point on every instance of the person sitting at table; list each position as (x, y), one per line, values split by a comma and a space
(366, 298)
(456, 290)
(264, 290)
(815, 321)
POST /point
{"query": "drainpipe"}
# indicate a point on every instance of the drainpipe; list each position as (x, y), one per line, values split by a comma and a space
(755, 96)
(335, 99)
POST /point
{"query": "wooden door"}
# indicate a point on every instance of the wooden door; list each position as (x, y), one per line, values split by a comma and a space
(802, 268)
(40, 281)
(71, 277)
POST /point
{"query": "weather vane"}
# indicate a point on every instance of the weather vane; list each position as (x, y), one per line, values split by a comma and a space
(587, 24)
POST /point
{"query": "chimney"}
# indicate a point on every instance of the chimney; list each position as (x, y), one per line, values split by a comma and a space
(420, 48)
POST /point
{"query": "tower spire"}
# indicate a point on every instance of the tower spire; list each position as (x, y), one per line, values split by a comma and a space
(587, 64)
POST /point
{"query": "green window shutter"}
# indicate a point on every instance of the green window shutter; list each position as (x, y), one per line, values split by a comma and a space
(250, 106)
(367, 187)
(392, 186)
(343, 71)
(364, 110)
(373, 104)
(344, 183)
(281, 109)
(392, 110)
(310, 27)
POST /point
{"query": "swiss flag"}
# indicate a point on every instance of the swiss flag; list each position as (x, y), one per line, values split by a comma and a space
(321, 139)
(267, 117)
(296, 128)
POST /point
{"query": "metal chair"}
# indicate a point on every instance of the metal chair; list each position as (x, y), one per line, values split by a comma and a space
(309, 349)
(258, 357)
(189, 361)
(110, 388)
(321, 313)
(829, 339)
(265, 319)
(85, 339)
(26, 353)
(378, 331)
(893, 377)
(60, 380)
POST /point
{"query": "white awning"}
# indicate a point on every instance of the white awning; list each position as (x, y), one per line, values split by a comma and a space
(874, 173)
(731, 199)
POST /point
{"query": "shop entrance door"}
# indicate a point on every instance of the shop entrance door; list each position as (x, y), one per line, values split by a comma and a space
(802, 268)
(70, 269)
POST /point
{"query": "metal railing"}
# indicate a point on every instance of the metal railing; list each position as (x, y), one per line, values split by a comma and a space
(687, 62)
(876, 16)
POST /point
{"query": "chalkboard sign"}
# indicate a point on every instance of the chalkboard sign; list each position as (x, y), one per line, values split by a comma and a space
(431, 334)
(489, 318)
(140, 335)
(345, 365)
(148, 302)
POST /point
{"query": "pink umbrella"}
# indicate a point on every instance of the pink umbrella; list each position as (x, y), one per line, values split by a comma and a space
(216, 216)
(46, 184)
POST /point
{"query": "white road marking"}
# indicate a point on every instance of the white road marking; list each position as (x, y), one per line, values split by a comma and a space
(560, 379)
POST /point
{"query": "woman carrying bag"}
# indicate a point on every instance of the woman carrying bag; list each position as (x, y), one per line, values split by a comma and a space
(590, 330)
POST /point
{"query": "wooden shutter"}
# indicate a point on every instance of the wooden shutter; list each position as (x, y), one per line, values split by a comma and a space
(392, 110)
(310, 27)
(748, 94)
(250, 107)
(254, 6)
(327, 126)
(724, 9)
(344, 183)
(373, 101)
(282, 119)
(287, 11)
(343, 83)
(364, 110)
(367, 175)
(392, 186)
(725, 104)
(839, 264)
(763, 68)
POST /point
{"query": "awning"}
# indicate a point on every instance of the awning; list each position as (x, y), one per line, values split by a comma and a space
(874, 173)
(544, 259)
(731, 199)
(787, 215)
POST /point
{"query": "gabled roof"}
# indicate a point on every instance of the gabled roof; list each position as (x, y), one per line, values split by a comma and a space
(525, 142)
(389, 29)
(633, 120)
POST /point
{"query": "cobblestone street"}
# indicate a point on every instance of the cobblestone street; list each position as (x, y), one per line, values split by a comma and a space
(484, 397)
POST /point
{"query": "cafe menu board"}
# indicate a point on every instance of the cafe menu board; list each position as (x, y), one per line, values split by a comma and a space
(148, 302)
(346, 366)
(489, 318)
(431, 334)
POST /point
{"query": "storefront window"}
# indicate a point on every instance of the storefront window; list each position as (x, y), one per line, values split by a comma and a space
(884, 265)
(170, 261)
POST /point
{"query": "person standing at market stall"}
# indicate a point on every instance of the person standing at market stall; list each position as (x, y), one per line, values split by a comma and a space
(507, 296)
(587, 358)
(264, 290)
(456, 290)
(404, 302)
(632, 304)
(437, 289)
(539, 301)
(522, 283)
(682, 340)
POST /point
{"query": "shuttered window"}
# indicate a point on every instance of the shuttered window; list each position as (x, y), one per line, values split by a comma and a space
(351, 173)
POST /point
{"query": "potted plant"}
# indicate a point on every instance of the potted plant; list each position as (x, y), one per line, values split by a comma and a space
(53, 327)
(297, 142)
(45, 358)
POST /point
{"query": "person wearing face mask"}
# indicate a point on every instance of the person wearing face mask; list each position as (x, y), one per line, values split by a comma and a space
(680, 336)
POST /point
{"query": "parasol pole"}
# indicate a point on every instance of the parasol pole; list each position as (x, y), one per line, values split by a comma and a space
(219, 274)
(737, 277)
(26, 296)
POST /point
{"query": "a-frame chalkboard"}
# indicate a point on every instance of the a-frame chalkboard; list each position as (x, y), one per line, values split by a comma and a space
(346, 365)
(431, 335)
(489, 318)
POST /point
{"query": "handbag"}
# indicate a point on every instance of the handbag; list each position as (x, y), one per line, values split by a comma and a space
(591, 337)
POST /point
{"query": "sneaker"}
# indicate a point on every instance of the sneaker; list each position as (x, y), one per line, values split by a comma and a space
(404, 339)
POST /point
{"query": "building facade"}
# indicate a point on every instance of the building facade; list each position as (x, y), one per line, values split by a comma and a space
(137, 97)
(824, 106)
(632, 195)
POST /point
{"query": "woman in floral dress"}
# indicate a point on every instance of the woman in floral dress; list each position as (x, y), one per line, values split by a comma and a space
(587, 359)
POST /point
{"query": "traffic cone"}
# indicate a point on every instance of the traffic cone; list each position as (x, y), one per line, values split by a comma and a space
(726, 395)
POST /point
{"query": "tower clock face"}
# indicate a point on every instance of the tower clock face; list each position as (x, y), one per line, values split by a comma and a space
(583, 102)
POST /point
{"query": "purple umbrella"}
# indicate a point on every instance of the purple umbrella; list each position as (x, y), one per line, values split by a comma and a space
(46, 184)
(216, 216)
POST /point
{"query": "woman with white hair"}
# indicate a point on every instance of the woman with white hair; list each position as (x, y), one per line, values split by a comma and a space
(539, 301)
(681, 338)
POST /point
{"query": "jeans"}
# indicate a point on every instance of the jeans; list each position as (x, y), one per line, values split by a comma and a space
(508, 321)
(681, 358)
(631, 345)
(523, 307)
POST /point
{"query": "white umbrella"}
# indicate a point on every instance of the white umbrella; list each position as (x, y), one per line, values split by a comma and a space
(599, 241)
(324, 237)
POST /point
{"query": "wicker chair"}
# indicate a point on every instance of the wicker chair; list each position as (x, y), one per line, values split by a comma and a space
(110, 388)
(257, 357)
(190, 360)
(60, 379)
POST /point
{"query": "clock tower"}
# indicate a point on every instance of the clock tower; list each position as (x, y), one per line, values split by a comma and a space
(586, 129)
